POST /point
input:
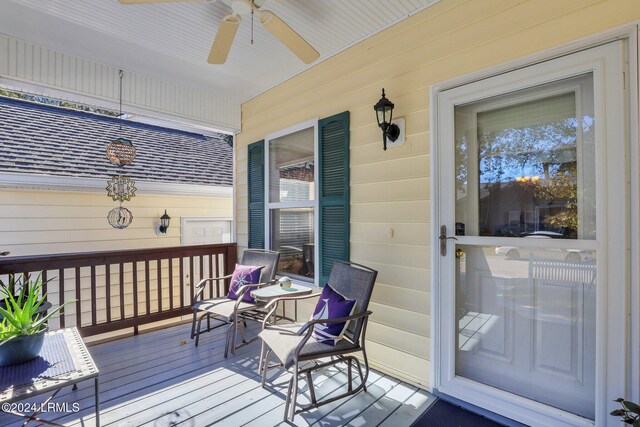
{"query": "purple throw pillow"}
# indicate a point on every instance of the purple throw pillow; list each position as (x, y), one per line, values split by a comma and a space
(331, 305)
(244, 275)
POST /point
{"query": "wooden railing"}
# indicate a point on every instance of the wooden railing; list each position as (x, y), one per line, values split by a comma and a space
(124, 289)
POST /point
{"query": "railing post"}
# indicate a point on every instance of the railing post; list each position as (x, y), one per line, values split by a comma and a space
(230, 259)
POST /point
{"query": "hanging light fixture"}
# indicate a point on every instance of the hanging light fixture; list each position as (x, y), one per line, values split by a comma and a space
(384, 115)
(121, 151)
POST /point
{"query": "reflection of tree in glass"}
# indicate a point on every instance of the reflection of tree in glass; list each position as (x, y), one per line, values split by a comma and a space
(513, 152)
(561, 185)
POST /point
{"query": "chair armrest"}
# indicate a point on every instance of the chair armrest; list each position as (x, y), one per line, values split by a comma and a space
(336, 320)
(201, 284)
(273, 305)
(244, 288)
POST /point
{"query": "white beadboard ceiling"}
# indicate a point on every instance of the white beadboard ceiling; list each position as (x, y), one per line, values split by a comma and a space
(171, 41)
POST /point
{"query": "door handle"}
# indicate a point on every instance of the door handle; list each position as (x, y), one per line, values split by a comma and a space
(443, 240)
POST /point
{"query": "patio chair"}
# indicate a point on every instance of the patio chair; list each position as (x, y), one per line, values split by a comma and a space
(294, 344)
(227, 311)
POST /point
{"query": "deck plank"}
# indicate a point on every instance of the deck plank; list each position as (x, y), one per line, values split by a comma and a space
(155, 379)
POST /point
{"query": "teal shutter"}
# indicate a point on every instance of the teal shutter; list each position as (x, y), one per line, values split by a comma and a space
(333, 187)
(255, 178)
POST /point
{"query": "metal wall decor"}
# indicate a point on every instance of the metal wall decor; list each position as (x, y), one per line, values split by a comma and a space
(121, 188)
(120, 217)
(121, 152)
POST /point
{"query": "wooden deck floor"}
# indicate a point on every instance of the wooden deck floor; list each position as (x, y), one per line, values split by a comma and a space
(153, 379)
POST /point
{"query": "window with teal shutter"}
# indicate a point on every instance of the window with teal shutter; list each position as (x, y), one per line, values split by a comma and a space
(333, 188)
(255, 172)
(291, 205)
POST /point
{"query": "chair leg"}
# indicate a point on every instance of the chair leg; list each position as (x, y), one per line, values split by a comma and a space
(261, 357)
(198, 328)
(243, 326)
(193, 324)
(364, 385)
(227, 342)
(366, 369)
(349, 375)
(294, 392)
(265, 367)
(208, 323)
(288, 400)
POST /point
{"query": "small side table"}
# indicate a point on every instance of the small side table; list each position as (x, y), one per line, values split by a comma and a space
(64, 361)
(269, 293)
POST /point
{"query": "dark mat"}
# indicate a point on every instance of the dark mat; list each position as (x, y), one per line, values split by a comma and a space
(444, 414)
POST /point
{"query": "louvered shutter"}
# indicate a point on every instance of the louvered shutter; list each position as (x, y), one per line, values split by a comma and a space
(333, 187)
(256, 194)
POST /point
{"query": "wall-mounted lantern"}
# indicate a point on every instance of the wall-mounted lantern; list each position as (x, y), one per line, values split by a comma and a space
(384, 115)
(164, 223)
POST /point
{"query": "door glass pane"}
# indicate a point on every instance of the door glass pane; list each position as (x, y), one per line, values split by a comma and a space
(526, 322)
(292, 236)
(291, 167)
(525, 163)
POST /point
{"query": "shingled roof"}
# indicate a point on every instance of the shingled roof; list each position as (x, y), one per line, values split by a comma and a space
(48, 140)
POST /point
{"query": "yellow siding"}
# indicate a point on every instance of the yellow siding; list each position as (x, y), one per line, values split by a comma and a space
(390, 221)
(47, 222)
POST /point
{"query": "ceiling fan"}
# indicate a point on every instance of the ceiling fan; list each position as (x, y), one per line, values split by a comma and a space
(230, 23)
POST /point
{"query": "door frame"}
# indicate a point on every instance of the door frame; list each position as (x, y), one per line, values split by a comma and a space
(611, 381)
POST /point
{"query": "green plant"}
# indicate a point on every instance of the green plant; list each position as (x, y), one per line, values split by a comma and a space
(20, 312)
(630, 412)
(12, 286)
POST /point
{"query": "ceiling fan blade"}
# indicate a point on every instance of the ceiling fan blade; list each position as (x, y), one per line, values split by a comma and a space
(159, 1)
(224, 38)
(288, 37)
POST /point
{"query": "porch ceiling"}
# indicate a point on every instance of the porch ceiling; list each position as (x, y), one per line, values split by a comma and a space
(172, 40)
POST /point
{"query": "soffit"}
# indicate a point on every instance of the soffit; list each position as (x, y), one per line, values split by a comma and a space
(172, 40)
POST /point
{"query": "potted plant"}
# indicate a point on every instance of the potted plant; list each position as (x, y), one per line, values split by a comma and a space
(13, 287)
(22, 327)
(630, 412)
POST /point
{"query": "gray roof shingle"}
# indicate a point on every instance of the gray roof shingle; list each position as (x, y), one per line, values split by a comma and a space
(48, 140)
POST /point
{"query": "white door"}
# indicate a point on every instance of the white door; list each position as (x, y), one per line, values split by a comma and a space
(203, 231)
(531, 215)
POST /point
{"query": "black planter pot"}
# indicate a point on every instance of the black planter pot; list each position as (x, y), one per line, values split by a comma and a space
(21, 349)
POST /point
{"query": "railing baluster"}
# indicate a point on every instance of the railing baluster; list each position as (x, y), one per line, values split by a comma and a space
(107, 272)
(171, 284)
(211, 275)
(180, 290)
(94, 300)
(201, 271)
(135, 288)
(147, 287)
(121, 291)
(159, 267)
(78, 301)
(191, 278)
(217, 275)
(44, 281)
(62, 296)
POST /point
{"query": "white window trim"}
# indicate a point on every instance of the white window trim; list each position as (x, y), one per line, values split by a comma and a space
(313, 123)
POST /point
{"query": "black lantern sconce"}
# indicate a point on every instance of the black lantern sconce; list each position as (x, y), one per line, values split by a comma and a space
(384, 115)
(164, 223)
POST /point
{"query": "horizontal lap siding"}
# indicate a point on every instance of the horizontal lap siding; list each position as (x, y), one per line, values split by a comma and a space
(390, 200)
(33, 222)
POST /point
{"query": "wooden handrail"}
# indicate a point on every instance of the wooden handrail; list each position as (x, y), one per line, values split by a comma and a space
(114, 289)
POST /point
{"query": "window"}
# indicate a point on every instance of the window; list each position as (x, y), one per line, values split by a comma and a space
(298, 197)
(291, 200)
